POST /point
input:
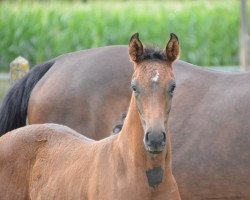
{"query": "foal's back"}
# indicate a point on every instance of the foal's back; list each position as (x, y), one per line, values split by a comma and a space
(52, 161)
(30, 155)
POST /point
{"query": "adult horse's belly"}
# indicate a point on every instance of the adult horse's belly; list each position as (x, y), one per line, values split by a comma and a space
(88, 91)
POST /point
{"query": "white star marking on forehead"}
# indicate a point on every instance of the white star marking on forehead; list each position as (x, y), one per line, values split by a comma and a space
(156, 77)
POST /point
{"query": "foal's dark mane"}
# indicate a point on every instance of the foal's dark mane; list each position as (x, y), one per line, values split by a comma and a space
(152, 53)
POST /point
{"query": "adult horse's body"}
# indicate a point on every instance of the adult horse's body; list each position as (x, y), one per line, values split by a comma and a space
(55, 162)
(211, 111)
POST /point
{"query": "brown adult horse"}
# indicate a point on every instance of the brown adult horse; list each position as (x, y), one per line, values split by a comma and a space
(55, 162)
(210, 114)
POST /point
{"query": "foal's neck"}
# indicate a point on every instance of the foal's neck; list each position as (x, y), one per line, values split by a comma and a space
(130, 141)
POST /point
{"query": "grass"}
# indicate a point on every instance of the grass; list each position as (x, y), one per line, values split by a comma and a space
(4, 86)
(208, 30)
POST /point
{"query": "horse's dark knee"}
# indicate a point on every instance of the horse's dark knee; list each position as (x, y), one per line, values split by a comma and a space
(118, 126)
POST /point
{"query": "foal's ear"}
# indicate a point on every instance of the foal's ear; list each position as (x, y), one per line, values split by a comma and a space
(172, 49)
(135, 48)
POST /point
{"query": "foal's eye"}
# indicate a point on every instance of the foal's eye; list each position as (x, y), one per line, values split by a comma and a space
(133, 87)
(171, 89)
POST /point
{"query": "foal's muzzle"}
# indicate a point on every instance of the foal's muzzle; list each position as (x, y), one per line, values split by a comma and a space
(155, 141)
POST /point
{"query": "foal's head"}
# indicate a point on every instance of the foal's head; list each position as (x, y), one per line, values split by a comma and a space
(153, 85)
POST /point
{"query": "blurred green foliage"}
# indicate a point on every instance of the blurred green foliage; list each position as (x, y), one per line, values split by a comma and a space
(4, 86)
(208, 30)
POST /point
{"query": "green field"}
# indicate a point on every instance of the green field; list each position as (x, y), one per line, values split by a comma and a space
(4, 86)
(208, 30)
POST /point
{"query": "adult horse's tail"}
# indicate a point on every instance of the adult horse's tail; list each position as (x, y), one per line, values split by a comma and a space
(13, 111)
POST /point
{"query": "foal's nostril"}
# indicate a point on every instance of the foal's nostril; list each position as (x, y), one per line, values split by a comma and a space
(154, 138)
(146, 137)
(164, 138)
(155, 141)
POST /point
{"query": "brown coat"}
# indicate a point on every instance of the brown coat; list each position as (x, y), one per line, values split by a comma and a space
(54, 162)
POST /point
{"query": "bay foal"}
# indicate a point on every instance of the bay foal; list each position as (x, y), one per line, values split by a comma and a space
(54, 162)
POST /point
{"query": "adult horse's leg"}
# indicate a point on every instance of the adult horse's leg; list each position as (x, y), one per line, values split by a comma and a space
(118, 126)
(13, 110)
